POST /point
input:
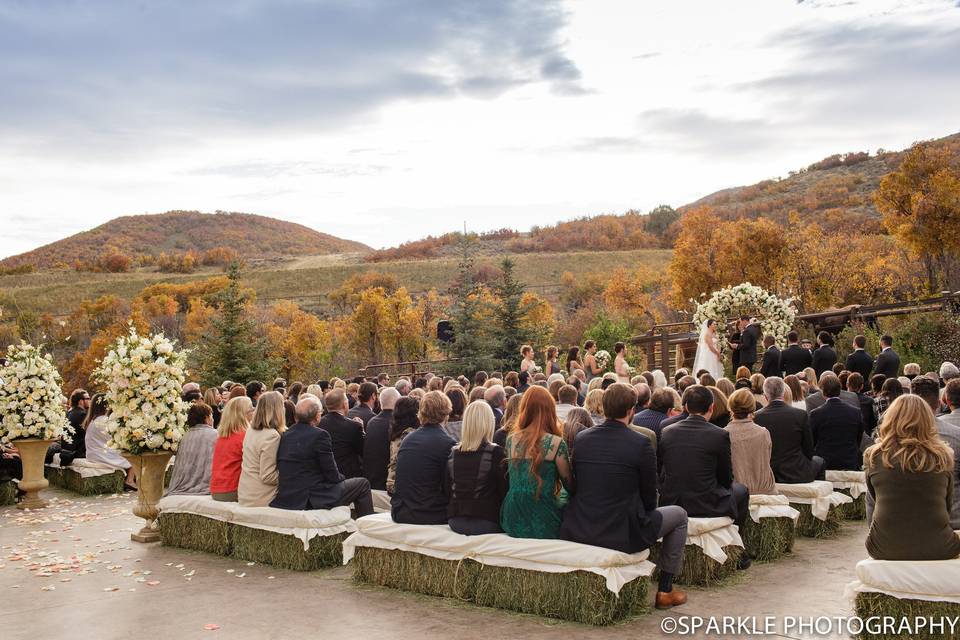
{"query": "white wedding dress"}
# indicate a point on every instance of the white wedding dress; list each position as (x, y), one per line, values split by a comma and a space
(706, 359)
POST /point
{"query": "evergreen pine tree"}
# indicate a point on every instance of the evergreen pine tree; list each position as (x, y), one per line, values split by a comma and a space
(233, 350)
(508, 315)
(471, 344)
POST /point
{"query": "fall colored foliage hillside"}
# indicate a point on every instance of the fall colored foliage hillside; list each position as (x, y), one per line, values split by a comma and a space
(181, 232)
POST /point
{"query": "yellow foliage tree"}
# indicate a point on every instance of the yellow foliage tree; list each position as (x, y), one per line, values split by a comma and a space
(300, 341)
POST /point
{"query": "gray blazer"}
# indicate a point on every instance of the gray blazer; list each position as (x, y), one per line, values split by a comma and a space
(949, 428)
(816, 400)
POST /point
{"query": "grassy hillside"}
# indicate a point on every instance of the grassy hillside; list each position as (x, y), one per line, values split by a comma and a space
(177, 232)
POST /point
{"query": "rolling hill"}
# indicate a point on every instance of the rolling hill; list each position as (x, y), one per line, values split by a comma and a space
(178, 232)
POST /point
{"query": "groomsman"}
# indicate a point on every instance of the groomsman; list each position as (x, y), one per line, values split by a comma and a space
(888, 362)
(860, 361)
(824, 357)
(770, 366)
(794, 358)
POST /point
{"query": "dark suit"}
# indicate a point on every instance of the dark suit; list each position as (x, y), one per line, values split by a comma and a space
(697, 470)
(860, 362)
(888, 363)
(376, 450)
(795, 359)
(816, 400)
(837, 428)
(824, 357)
(650, 419)
(363, 412)
(770, 367)
(669, 421)
(791, 456)
(866, 411)
(615, 502)
(308, 474)
(749, 338)
(420, 493)
(347, 437)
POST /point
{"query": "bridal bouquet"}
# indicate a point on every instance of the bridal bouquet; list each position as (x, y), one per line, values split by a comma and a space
(603, 358)
(143, 377)
(31, 401)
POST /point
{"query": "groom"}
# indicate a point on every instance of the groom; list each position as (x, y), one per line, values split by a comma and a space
(749, 338)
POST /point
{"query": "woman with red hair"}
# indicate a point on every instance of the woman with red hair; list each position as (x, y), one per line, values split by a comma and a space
(538, 463)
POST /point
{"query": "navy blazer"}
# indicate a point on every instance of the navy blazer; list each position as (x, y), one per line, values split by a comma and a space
(697, 469)
(308, 474)
(347, 438)
(837, 428)
(420, 490)
(888, 363)
(376, 450)
(795, 359)
(859, 361)
(614, 505)
(791, 455)
(824, 357)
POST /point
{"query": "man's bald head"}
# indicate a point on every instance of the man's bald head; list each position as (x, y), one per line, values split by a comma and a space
(388, 398)
(308, 410)
(495, 396)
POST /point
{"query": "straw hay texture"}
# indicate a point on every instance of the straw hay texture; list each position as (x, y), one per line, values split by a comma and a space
(812, 527)
(67, 478)
(699, 569)
(880, 604)
(191, 531)
(769, 539)
(8, 493)
(579, 596)
(856, 510)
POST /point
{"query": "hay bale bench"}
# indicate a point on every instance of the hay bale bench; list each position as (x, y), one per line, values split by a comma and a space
(713, 549)
(8, 493)
(853, 484)
(904, 591)
(297, 540)
(769, 532)
(85, 477)
(552, 578)
(819, 507)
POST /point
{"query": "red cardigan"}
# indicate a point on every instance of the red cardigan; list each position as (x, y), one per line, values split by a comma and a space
(227, 460)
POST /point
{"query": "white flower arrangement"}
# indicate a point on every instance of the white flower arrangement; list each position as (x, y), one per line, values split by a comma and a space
(144, 377)
(31, 400)
(603, 359)
(776, 315)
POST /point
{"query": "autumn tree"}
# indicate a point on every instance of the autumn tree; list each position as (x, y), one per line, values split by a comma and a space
(300, 342)
(920, 203)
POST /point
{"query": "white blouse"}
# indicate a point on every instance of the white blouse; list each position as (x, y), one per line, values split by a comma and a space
(97, 450)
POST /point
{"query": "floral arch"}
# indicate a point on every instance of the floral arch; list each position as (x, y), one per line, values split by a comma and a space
(776, 315)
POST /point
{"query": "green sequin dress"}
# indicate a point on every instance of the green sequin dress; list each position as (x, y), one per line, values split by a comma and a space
(524, 514)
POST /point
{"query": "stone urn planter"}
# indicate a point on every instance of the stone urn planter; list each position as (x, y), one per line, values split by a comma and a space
(149, 468)
(32, 453)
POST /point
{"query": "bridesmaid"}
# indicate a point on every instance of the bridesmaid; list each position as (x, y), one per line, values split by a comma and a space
(527, 364)
(552, 366)
(590, 366)
(573, 359)
(620, 365)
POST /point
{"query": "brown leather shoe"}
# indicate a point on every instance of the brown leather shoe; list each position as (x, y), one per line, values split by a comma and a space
(674, 598)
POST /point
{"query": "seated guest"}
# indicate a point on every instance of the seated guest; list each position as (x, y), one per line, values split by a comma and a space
(228, 449)
(420, 491)
(891, 390)
(756, 385)
(792, 457)
(817, 399)
(566, 401)
(458, 403)
(720, 416)
(797, 396)
(510, 413)
(96, 437)
(496, 397)
(477, 473)
(910, 473)
(615, 503)
(594, 405)
(948, 428)
(308, 474)
(363, 409)
(578, 419)
(11, 467)
(855, 385)
(345, 433)
(836, 428)
(376, 442)
(191, 473)
(538, 462)
(661, 404)
(404, 421)
(696, 466)
(725, 385)
(77, 448)
(750, 446)
(258, 473)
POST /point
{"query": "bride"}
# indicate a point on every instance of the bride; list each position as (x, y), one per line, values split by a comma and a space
(708, 353)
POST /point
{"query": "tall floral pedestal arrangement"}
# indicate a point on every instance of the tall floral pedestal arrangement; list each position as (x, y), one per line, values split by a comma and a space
(143, 377)
(32, 414)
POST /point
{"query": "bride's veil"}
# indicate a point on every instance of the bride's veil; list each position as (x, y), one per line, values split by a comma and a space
(702, 350)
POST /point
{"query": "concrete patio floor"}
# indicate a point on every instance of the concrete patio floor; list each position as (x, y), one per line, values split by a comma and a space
(71, 571)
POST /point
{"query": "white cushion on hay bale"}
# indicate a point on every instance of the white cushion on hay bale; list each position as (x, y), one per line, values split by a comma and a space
(853, 481)
(303, 525)
(712, 535)
(769, 506)
(932, 580)
(83, 467)
(498, 549)
(381, 501)
(819, 494)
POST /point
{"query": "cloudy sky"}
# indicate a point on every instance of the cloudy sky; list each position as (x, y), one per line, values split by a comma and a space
(386, 120)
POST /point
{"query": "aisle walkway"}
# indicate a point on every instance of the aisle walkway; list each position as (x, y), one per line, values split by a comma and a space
(72, 572)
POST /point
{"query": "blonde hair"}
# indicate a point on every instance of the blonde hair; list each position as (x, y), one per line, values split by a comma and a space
(337, 383)
(477, 428)
(234, 416)
(810, 376)
(595, 384)
(742, 403)
(435, 384)
(212, 396)
(756, 383)
(511, 411)
(594, 402)
(270, 413)
(726, 386)
(315, 390)
(435, 408)
(908, 437)
(417, 393)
